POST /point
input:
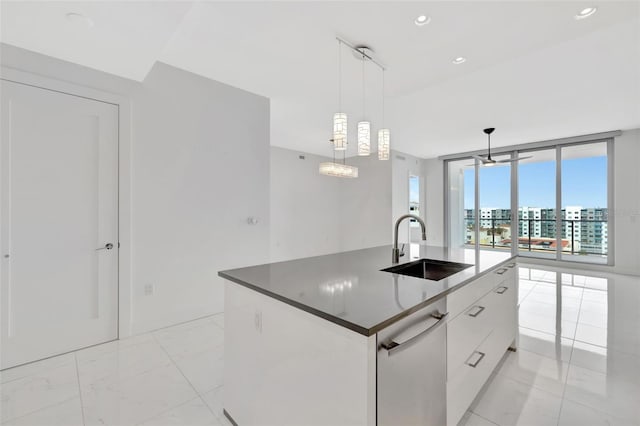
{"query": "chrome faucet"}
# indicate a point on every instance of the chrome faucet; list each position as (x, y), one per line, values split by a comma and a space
(395, 251)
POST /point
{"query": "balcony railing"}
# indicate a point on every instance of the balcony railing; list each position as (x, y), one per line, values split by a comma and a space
(579, 236)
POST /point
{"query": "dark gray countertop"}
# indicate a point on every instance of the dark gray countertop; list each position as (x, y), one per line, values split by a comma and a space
(350, 290)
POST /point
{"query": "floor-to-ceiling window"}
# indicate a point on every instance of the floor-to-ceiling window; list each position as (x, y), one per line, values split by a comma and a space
(537, 234)
(461, 202)
(495, 204)
(584, 201)
(553, 203)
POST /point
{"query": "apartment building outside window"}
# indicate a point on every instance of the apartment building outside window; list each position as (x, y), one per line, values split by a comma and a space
(561, 205)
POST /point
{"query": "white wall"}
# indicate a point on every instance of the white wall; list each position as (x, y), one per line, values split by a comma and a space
(627, 202)
(366, 204)
(305, 207)
(200, 167)
(312, 214)
(434, 195)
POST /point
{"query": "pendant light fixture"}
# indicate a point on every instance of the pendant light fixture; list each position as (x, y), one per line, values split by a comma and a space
(339, 140)
(340, 128)
(332, 168)
(364, 127)
(384, 135)
(340, 118)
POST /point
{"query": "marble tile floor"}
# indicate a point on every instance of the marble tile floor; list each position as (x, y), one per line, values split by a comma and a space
(171, 376)
(578, 361)
(578, 364)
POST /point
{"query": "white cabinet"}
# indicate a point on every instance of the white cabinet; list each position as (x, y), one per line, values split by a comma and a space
(484, 325)
(284, 366)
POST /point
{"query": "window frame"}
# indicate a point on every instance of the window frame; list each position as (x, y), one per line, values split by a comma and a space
(517, 150)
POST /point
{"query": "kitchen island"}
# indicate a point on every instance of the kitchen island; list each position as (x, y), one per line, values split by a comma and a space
(325, 340)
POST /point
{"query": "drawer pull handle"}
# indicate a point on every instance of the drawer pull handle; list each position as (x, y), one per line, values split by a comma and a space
(477, 361)
(501, 271)
(511, 265)
(502, 290)
(395, 346)
(474, 313)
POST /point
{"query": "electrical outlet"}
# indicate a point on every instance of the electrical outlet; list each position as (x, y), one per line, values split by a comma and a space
(149, 289)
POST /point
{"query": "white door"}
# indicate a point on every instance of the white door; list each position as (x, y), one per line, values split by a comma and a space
(59, 210)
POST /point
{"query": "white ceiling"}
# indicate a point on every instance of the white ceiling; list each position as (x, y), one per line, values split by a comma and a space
(126, 39)
(532, 70)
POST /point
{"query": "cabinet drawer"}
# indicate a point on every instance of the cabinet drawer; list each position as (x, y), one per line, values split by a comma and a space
(461, 299)
(468, 330)
(470, 376)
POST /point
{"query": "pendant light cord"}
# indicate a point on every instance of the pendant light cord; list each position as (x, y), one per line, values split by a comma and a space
(383, 98)
(363, 87)
(339, 75)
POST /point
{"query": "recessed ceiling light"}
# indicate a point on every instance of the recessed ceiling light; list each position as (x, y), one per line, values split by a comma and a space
(586, 12)
(422, 20)
(459, 60)
(80, 19)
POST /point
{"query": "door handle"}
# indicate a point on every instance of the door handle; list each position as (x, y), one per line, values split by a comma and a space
(107, 246)
(393, 346)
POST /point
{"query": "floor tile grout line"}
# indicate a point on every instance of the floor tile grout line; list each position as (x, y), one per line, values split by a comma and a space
(531, 385)
(188, 381)
(201, 396)
(205, 317)
(175, 364)
(166, 411)
(75, 356)
(182, 374)
(13, 419)
(483, 418)
(150, 333)
(26, 376)
(573, 341)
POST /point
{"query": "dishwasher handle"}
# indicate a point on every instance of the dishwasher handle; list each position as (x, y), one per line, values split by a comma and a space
(393, 347)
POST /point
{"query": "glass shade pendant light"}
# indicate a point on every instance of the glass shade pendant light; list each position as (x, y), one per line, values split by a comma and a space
(384, 135)
(339, 140)
(340, 118)
(338, 170)
(340, 131)
(364, 138)
(364, 127)
(384, 139)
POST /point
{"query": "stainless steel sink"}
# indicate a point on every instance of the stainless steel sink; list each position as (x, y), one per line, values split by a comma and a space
(429, 269)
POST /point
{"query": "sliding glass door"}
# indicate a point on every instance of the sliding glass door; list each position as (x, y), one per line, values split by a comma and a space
(461, 203)
(584, 202)
(552, 204)
(537, 235)
(495, 205)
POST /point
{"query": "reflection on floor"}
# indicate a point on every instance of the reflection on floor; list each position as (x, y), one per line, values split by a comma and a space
(169, 377)
(578, 363)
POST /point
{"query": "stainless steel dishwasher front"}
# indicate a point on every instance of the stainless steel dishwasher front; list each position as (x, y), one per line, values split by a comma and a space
(412, 369)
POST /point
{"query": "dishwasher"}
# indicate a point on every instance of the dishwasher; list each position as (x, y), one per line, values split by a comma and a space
(411, 369)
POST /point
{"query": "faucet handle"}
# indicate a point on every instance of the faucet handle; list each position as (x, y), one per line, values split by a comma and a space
(402, 250)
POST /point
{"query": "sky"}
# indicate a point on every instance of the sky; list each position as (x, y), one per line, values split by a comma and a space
(414, 188)
(584, 183)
